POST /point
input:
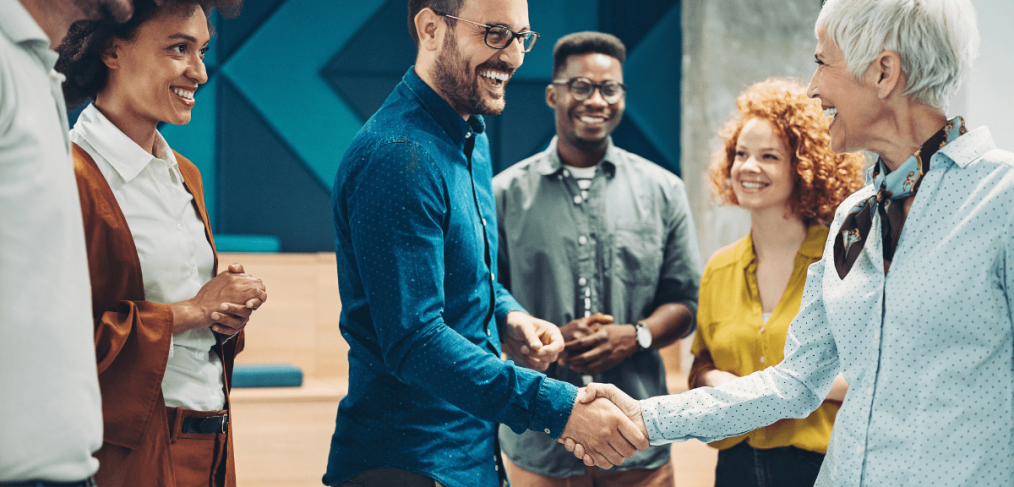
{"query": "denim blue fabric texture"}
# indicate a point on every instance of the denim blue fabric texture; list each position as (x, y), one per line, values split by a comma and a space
(927, 349)
(415, 235)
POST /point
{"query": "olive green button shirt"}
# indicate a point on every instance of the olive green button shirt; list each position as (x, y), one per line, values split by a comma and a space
(624, 247)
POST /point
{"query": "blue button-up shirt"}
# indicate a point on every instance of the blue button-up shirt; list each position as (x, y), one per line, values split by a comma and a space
(415, 234)
(927, 350)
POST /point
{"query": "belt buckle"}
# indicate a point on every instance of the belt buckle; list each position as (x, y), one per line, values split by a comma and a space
(224, 423)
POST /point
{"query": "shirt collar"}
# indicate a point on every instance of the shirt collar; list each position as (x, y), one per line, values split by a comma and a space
(969, 147)
(122, 153)
(812, 247)
(551, 164)
(441, 111)
(21, 28)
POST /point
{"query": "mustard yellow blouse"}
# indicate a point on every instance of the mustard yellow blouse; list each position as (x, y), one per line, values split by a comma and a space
(732, 335)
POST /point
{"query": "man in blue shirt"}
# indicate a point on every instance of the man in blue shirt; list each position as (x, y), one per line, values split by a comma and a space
(425, 319)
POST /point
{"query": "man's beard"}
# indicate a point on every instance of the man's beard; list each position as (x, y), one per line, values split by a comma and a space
(106, 10)
(460, 87)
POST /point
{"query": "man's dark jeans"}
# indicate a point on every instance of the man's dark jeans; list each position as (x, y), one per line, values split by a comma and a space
(744, 466)
(390, 477)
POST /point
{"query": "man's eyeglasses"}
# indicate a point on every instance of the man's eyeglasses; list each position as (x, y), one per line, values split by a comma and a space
(582, 88)
(500, 36)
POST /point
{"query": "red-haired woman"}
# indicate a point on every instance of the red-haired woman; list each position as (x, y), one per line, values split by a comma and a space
(777, 163)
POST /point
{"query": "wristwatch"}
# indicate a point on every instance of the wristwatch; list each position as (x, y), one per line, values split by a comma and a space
(643, 336)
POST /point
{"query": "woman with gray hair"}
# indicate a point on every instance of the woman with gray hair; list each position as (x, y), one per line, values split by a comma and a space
(912, 299)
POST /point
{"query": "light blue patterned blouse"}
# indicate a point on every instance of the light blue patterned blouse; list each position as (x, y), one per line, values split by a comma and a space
(928, 351)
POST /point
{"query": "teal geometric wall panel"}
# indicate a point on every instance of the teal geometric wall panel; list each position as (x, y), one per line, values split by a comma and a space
(278, 70)
(654, 101)
(233, 33)
(630, 21)
(373, 61)
(553, 20)
(278, 195)
(292, 81)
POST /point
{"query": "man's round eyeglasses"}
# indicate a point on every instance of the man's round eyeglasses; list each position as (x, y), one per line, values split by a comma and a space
(582, 88)
(500, 36)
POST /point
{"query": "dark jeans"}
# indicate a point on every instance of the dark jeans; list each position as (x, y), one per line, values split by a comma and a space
(745, 466)
(389, 477)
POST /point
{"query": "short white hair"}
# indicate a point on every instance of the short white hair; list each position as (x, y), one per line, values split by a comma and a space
(937, 40)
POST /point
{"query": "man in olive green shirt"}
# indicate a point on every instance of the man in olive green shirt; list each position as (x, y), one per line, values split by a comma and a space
(602, 241)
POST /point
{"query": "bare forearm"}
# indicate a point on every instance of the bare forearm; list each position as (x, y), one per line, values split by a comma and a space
(187, 316)
(669, 323)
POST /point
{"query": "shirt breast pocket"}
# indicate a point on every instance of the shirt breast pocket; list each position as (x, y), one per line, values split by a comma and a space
(637, 254)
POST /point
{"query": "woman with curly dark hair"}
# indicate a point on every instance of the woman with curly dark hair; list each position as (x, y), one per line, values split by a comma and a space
(777, 163)
(167, 328)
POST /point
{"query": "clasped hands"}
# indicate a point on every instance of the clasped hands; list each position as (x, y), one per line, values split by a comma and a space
(223, 304)
(594, 344)
(605, 426)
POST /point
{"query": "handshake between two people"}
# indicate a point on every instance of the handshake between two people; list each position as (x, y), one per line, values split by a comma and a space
(605, 425)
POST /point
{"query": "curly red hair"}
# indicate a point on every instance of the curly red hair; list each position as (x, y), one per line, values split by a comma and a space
(823, 178)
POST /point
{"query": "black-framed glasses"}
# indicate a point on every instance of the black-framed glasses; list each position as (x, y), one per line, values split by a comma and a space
(501, 36)
(582, 88)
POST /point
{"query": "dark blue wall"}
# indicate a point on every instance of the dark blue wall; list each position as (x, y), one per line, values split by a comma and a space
(293, 80)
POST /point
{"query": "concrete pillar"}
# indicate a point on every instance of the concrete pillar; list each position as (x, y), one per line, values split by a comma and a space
(988, 96)
(727, 46)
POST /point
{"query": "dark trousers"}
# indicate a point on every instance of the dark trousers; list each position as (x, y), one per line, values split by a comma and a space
(389, 477)
(745, 466)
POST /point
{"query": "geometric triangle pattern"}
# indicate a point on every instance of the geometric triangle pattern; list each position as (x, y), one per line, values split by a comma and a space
(281, 197)
(292, 81)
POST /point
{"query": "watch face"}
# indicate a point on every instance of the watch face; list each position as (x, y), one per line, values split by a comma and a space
(643, 336)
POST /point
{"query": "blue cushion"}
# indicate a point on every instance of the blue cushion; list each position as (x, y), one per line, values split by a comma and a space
(266, 375)
(248, 243)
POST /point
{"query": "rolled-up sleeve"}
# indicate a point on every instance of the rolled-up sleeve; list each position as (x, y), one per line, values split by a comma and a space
(792, 389)
(403, 276)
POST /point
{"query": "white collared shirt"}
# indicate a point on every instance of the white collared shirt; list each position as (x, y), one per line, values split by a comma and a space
(176, 258)
(50, 405)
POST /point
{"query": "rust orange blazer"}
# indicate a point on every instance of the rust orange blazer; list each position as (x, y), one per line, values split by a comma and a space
(132, 338)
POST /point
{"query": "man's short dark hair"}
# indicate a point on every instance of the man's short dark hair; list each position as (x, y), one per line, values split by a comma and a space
(449, 7)
(584, 43)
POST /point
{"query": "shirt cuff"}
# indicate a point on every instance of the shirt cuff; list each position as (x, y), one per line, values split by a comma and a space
(223, 338)
(506, 304)
(552, 407)
(652, 422)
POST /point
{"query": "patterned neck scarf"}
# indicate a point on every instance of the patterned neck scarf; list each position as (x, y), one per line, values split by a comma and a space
(894, 186)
